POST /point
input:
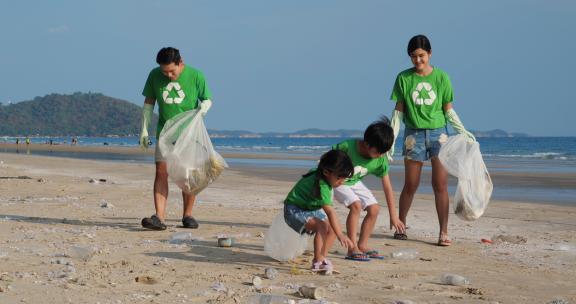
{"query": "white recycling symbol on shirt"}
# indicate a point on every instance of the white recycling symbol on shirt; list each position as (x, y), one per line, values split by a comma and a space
(420, 100)
(170, 100)
(360, 170)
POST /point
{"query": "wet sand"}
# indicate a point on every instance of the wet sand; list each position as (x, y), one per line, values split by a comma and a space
(64, 239)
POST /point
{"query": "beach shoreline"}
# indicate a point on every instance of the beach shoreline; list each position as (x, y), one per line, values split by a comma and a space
(537, 186)
(48, 218)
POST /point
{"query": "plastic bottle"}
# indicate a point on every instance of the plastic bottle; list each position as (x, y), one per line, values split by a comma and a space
(271, 273)
(454, 279)
(405, 254)
(269, 299)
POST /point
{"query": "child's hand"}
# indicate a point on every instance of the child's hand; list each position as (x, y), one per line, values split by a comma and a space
(345, 241)
(397, 224)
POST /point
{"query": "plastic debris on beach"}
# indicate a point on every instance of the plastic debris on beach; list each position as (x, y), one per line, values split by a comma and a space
(105, 204)
(269, 299)
(182, 237)
(453, 279)
(81, 252)
(404, 254)
(281, 242)
(512, 239)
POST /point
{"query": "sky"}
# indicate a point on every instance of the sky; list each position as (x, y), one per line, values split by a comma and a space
(284, 66)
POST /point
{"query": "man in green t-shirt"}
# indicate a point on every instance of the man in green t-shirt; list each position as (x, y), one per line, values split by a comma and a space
(368, 157)
(177, 88)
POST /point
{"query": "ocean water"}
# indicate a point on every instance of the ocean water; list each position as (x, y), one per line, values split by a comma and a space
(520, 154)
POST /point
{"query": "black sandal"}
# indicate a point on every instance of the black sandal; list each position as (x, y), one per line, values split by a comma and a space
(400, 236)
(189, 222)
(153, 223)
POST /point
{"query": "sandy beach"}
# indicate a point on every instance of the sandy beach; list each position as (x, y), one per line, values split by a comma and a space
(70, 233)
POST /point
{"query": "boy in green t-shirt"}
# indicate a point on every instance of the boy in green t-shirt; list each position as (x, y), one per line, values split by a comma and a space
(368, 157)
(308, 206)
(177, 88)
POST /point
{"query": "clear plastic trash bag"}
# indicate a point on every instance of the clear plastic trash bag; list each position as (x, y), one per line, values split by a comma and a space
(281, 242)
(463, 160)
(192, 162)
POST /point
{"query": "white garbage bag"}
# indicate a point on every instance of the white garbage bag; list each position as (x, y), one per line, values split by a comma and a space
(281, 242)
(463, 160)
(192, 162)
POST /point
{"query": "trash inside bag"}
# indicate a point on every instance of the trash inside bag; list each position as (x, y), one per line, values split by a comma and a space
(282, 243)
(192, 162)
(463, 160)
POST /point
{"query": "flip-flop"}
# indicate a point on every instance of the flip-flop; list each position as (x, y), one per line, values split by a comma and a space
(374, 254)
(400, 236)
(444, 241)
(358, 256)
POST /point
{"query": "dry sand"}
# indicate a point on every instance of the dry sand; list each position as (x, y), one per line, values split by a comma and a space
(64, 239)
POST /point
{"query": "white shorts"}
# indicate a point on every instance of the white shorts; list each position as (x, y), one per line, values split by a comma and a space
(358, 192)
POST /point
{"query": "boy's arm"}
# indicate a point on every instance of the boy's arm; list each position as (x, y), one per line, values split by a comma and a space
(389, 194)
(333, 220)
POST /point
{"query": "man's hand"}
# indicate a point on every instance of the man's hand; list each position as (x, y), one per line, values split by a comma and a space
(144, 139)
(205, 106)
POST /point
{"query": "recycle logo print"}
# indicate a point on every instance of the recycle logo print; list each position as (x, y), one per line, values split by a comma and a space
(166, 93)
(360, 171)
(423, 94)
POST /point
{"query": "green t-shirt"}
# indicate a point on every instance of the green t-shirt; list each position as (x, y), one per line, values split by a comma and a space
(423, 97)
(362, 166)
(302, 194)
(175, 97)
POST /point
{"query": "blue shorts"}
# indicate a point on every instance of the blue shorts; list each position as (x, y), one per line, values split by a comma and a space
(297, 217)
(423, 144)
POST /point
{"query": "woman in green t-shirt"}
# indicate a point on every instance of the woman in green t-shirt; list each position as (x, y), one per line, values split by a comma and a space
(423, 96)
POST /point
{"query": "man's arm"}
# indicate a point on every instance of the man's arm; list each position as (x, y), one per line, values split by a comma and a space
(147, 114)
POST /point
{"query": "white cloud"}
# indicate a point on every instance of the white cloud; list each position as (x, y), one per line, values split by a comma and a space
(58, 29)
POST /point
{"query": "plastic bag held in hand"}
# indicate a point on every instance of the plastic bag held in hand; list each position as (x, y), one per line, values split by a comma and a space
(192, 162)
(462, 159)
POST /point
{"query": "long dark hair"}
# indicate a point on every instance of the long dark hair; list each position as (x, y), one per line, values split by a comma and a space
(419, 42)
(334, 161)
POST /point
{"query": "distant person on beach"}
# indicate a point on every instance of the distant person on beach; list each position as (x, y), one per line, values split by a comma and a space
(178, 88)
(17, 141)
(27, 140)
(308, 206)
(368, 157)
(424, 96)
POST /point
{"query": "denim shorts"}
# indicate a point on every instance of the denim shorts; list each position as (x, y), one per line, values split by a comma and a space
(423, 144)
(297, 217)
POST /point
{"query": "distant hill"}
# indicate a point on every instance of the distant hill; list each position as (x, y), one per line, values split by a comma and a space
(336, 133)
(94, 114)
(85, 114)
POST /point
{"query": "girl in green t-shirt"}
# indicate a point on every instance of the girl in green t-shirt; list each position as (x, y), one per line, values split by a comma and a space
(423, 96)
(308, 206)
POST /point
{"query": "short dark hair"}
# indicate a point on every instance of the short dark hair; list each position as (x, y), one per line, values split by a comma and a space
(419, 42)
(379, 135)
(168, 55)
